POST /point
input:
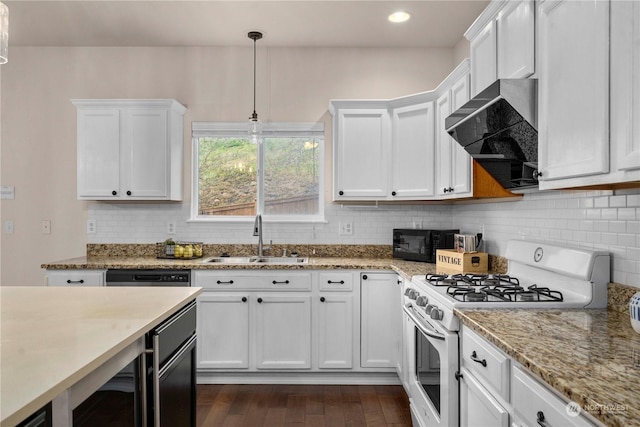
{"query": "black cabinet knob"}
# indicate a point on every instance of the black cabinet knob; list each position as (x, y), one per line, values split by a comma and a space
(114, 193)
(540, 419)
(128, 193)
(446, 190)
(364, 277)
(260, 300)
(322, 299)
(244, 299)
(393, 193)
(341, 193)
(450, 189)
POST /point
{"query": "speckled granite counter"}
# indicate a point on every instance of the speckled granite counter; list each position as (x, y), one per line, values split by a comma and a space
(590, 356)
(404, 268)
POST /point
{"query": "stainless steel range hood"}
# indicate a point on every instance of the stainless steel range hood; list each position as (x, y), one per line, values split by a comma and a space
(498, 127)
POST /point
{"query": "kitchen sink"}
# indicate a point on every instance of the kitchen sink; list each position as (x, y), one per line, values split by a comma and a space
(256, 260)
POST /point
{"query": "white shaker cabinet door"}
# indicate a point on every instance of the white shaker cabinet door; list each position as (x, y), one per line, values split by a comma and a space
(361, 154)
(625, 89)
(98, 153)
(516, 40)
(573, 132)
(335, 331)
(223, 331)
(380, 328)
(412, 147)
(478, 408)
(484, 67)
(283, 332)
(147, 163)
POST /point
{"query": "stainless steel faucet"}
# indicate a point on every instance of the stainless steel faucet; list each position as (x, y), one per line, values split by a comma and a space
(257, 231)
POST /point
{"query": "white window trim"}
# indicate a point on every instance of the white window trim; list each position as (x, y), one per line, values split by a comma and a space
(231, 129)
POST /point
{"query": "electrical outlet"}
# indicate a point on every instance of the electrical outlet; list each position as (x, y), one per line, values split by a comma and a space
(346, 228)
(45, 227)
(171, 227)
(8, 227)
(91, 226)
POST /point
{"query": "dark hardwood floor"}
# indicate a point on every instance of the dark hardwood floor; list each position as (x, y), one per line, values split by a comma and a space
(302, 405)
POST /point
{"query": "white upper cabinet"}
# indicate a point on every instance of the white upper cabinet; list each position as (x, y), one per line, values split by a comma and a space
(516, 40)
(412, 147)
(361, 150)
(502, 43)
(130, 149)
(453, 165)
(573, 70)
(625, 90)
(484, 69)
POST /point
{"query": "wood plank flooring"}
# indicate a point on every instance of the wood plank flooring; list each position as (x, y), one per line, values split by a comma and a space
(232, 405)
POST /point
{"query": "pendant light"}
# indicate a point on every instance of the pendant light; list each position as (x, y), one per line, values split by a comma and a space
(255, 126)
(4, 33)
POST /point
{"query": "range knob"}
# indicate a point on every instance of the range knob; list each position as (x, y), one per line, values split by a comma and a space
(422, 301)
(428, 309)
(436, 314)
(412, 293)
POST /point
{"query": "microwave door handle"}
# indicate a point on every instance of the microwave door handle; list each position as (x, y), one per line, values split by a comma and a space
(424, 328)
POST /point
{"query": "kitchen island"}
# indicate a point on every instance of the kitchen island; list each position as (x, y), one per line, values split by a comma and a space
(54, 337)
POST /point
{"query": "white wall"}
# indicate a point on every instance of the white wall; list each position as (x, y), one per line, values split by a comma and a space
(38, 152)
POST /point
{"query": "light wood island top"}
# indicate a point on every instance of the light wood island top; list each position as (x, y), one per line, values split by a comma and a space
(52, 337)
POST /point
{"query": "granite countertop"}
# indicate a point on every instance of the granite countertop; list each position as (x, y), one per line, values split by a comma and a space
(52, 337)
(404, 268)
(591, 356)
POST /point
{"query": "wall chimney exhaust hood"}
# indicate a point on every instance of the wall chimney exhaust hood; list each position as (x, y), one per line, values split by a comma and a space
(498, 128)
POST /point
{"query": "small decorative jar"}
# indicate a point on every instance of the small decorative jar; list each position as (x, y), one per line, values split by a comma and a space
(634, 311)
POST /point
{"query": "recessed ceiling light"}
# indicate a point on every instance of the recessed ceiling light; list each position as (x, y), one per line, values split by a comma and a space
(399, 16)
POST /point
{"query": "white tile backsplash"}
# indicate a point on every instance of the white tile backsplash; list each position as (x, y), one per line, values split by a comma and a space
(601, 220)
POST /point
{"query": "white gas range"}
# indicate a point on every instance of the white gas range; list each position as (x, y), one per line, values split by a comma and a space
(539, 276)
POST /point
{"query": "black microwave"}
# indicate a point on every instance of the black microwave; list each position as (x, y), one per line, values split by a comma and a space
(420, 244)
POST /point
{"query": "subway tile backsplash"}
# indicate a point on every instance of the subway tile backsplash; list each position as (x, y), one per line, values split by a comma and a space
(603, 220)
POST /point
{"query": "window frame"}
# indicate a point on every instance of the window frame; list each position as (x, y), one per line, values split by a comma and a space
(271, 129)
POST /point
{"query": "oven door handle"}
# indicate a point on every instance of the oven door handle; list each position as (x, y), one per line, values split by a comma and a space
(424, 328)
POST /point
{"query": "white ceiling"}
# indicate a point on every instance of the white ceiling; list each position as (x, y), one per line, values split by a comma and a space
(328, 23)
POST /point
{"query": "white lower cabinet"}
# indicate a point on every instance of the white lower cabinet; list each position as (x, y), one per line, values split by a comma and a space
(380, 314)
(223, 331)
(283, 331)
(335, 331)
(496, 391)
(75, 277)
(480, 408)
(258, 322)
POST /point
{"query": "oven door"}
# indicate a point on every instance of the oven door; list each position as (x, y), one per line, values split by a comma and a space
(433, 386)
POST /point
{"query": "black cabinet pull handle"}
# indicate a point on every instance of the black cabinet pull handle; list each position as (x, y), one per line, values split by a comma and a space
(322, 299)
(230, 282)
(114, 193)
(458, 375)
(244, 299)
(474, 357)
(81, 281)
(260, 300)
(128, 193)
(537, 174)
(446, 190)
(450, 189)
(275, 282)
(540, 419)
(364, 277)
(332, 282)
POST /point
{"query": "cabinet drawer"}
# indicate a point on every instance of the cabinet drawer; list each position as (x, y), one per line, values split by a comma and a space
(75, 278)
(230, 280)
(486, 362)
(533, 402)
(335, 281)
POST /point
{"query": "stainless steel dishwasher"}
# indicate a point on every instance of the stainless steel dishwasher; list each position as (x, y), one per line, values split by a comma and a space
(139, 277)
(169, 363)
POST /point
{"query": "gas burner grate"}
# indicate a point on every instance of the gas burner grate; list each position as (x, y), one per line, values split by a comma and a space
(546, 292)
(460, 290)
(441, 279)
